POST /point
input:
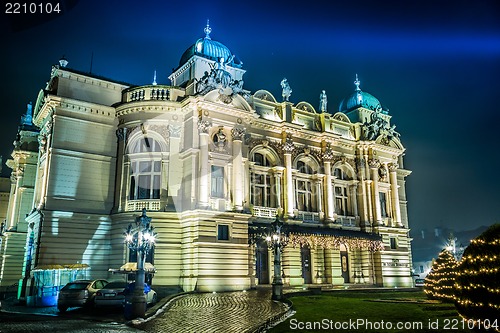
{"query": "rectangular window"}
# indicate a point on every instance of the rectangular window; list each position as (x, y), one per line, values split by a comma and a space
(383, 204)
(217, 181)
(145, 180)
(304, 196)
(222, 232)
(341, 201)
(394, 244)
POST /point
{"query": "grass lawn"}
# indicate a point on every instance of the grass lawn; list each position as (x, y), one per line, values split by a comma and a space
(363, 311)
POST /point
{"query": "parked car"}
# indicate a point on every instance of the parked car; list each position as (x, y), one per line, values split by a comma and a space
(78, 293)
(419, 282)
(151, 296)
(113, 294)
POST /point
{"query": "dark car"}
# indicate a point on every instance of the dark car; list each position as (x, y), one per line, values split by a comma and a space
(113, 294)
(79, 293)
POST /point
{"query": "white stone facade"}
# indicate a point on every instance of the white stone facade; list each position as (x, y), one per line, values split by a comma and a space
(211, 165)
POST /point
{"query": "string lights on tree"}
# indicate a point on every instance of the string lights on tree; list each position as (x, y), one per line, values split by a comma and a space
(477, 280)
(440, 280)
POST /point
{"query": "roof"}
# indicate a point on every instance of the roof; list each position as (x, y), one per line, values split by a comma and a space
(211, 49)
(360, 98)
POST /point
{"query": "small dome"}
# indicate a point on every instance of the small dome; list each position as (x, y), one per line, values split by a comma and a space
(360, 98)
(210, 49)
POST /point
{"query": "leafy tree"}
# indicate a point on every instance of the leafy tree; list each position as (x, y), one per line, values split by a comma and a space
(440, 280)
(477, 283)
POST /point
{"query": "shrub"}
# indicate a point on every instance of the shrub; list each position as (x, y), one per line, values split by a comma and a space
(477, 283)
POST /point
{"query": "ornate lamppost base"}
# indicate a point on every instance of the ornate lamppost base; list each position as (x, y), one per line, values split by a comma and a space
(135, 307)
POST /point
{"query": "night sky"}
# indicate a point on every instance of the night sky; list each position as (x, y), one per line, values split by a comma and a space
(434, 64)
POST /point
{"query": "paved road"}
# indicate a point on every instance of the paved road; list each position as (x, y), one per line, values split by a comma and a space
(199, 313)
(19, 323)
(237, 312)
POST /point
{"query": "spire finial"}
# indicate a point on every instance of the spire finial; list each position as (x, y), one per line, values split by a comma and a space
(207, 30)
(154, 79)
(357, 83)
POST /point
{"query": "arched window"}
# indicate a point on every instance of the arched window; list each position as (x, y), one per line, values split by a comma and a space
(145, 169)
(262, 180)
(341, 192)
(306, 199)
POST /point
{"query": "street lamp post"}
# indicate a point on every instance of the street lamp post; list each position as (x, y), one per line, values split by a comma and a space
(276, 243)
(141, 239)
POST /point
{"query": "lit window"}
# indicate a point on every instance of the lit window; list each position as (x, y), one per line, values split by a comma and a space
(222, 232)
(145, 170)
(341, 201)
(260, 194)
(217, 181)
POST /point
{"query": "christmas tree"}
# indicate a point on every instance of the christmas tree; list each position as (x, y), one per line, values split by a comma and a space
(440, 280)
(477, 283)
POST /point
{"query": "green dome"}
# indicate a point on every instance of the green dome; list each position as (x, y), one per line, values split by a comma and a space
(360, 98)
(210, 49)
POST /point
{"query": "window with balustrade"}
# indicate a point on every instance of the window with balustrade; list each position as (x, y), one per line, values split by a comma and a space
(145, 169)
(262, 181)
(341, 192)
(306, 199)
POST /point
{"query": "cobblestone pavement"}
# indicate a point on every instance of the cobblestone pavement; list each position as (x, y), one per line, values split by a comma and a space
(222, 312)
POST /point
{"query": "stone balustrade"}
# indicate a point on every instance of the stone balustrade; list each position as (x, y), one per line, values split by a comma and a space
(138, 205)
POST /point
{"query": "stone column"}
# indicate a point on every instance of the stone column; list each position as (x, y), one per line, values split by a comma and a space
(277, 186)
(203, 192)
(122, 176)
(374, 165)
(319, 196)
(329, 191)
(237, 134)
(18, 174)
(288, 148)
(353, 188)
(393, 167)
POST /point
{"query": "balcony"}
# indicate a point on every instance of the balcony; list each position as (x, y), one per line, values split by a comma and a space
(149, 93)
(268, 212)
(347, 221)
(308, 217)
(138, 205)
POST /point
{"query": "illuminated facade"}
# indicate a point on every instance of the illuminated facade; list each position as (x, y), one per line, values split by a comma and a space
(213, 164)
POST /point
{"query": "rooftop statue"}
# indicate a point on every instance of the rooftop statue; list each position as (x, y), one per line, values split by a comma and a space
(287, 91)
(322, 101)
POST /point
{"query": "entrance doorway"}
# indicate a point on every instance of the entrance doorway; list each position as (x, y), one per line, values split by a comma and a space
(262, 262)
(305, 255)
(344, 263)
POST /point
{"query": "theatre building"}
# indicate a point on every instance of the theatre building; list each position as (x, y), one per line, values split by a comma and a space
(213, 164)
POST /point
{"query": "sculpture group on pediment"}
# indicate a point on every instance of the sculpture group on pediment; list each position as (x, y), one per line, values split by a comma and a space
(378, 126)
(220, 78)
